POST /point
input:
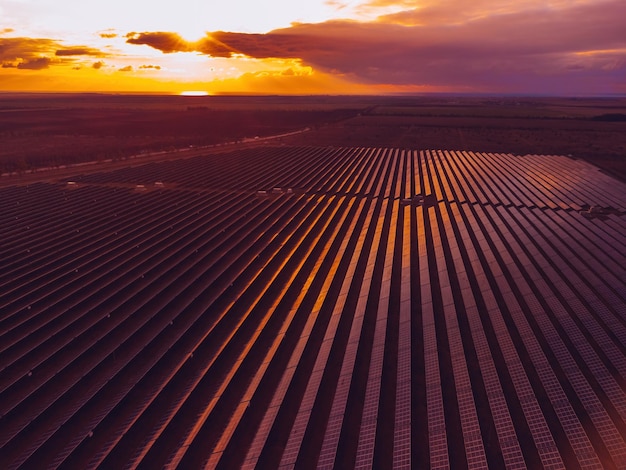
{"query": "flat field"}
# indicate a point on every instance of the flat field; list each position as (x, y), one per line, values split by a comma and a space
(39, 131)
(592, 129)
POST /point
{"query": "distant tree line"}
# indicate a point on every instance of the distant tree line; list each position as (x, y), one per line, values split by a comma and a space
(610, 117)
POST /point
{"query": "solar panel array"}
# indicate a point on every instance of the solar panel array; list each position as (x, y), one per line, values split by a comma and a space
(316, 307)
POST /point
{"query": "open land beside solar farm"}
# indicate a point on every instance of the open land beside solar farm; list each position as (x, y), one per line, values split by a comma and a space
(56, 130)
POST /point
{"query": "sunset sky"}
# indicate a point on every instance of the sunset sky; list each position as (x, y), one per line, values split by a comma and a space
(314, 46)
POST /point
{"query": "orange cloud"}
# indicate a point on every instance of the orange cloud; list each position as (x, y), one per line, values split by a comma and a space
(35, 64)
(108, 35)
(73, 51)
(289, 81)
(337, 5)
(39, 53)
(25, 48)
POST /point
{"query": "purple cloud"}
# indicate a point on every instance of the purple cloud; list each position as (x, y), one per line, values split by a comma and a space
(539, 50)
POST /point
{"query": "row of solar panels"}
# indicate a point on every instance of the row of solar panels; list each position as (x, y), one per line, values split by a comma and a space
(199, 324)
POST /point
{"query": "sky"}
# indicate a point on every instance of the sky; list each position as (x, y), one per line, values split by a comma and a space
(559, 47)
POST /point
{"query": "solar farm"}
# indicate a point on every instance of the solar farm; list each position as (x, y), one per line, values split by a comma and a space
(316, 307)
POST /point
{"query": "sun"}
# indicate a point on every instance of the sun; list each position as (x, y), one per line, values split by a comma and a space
(192, 31)
(194, 93)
